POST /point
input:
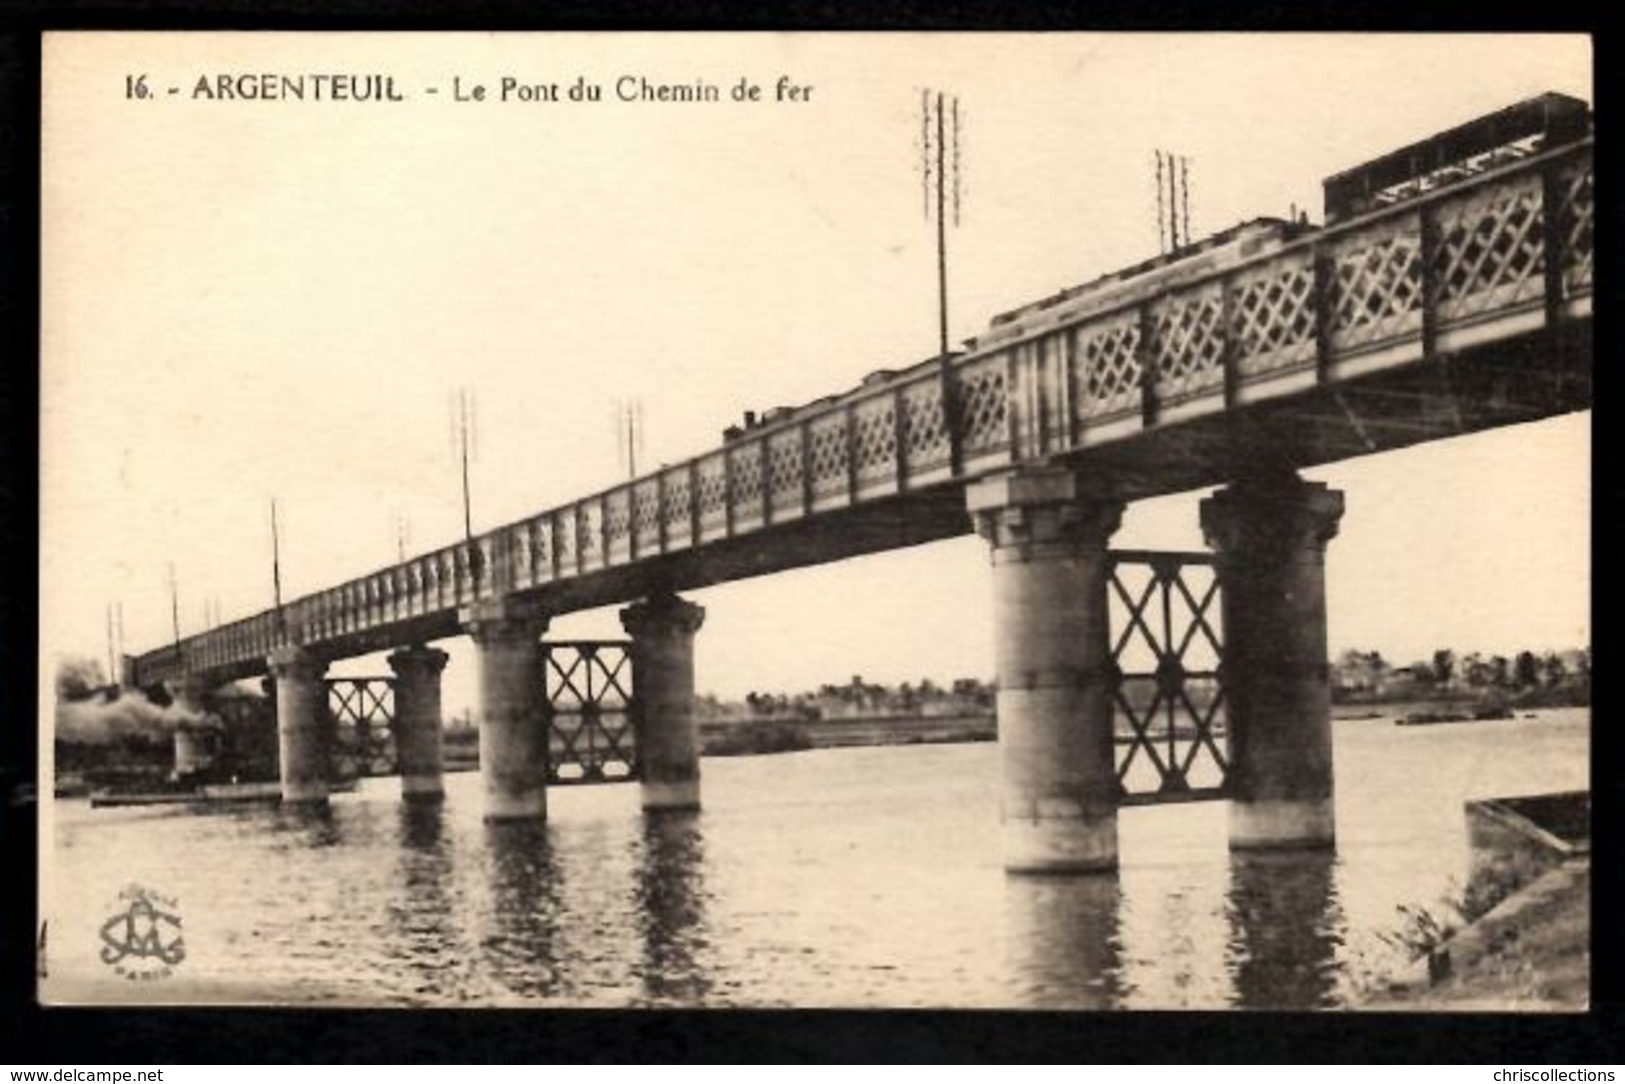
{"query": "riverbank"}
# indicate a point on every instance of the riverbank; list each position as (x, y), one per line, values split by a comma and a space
(1531, 952)
(1525, 914)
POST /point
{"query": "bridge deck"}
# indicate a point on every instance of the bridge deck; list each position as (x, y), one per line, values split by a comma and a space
(1464, 309)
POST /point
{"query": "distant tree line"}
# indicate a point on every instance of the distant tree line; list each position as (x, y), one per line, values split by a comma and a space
(1526, 676)
(857, 698)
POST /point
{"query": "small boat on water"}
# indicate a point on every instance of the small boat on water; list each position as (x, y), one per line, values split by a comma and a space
(1473, 715)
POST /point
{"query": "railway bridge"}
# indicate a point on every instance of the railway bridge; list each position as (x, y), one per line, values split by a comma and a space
(1449, 290)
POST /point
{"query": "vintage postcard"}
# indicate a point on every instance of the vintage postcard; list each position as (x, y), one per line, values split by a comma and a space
(1021, 521)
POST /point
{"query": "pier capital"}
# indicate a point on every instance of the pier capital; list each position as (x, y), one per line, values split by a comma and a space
(1043, 505)
(417, 659)
(1271, 515)
(188, 689)
(295, 663)
(662, 615)
(502, 620)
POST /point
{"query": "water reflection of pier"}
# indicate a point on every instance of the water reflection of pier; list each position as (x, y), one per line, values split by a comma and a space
(431, 944)
(670, 898)
(1286, 925)
(1063, 936)
(526, 905)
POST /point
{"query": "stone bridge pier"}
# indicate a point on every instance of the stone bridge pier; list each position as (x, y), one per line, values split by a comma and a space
(1269, 535)
(304, 750)
(417, 722)
(509, 706)
(1049, 528)
(1059, 796)
(305, 730)
(194, 742)
(662, 630)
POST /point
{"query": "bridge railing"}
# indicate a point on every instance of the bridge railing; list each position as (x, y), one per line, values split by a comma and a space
(1501, 252)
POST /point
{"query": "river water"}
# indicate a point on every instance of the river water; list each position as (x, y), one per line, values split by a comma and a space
(841, 877)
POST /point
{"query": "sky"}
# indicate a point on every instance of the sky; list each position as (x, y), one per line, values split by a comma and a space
(250, 299)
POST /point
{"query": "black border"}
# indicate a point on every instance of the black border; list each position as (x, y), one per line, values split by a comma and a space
(57, 1037)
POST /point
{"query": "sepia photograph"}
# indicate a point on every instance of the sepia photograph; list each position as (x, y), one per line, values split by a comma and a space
(1082, 521)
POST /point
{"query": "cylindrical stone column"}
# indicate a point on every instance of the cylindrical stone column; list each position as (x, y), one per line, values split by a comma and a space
(417, 721)
(193, 737)
(662, 630)
(194, 749)
(1058, 802)
(301, 724)
(513, 731)
(1269, 536)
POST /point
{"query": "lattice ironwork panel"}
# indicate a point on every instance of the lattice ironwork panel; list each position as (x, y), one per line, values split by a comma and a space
(984, 405)
(1168, 696)
(530, 566)
(875, 440)
(827, 436)
(457, 573)
(1272, 315)
(394, 593)
(590, 708)
(431, 580)
(462, 580)
(646, 514)
(713, 495)
(745, 468)
(1377, 285)
(925, 432)
(416, 602)
(1575, 216)
(484, 564)
(784, 468)
(410, 598)
(362, 716)
(541, 550)
(1187, 342)
(1491, 247)
(337, 601)
(617, 517)
(1106, 353)
(589, 535)
(565, 539)
(678, 510)
(448, 575)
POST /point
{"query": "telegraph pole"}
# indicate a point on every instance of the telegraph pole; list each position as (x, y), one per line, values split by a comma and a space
(462, 442)
(276, 568)
(174, 607)
(942, 238)
(1177, 196)
(937, 160)
(112, 674)
(628, 426)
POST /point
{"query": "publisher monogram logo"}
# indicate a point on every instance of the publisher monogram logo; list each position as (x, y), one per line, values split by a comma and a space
(142, 940)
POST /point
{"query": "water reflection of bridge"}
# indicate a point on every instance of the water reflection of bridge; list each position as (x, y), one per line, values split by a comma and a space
(1279, 922)
(1449, 291)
